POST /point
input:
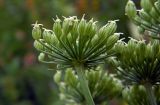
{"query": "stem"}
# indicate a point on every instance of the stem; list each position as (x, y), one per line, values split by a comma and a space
(150, 94)
(84, 85)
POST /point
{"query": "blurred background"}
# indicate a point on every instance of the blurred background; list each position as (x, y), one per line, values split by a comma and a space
(23, 80)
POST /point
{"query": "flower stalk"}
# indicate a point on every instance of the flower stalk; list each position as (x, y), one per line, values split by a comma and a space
(84, 85)
(150, 94)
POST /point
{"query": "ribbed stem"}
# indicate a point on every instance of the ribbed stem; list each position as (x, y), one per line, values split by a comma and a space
(150, 94)
(84, 85)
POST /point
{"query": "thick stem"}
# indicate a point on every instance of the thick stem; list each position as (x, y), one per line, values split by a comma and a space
(150, 94)
(84, 85)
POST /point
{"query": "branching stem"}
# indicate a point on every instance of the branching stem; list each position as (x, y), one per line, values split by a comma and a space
(150, 94)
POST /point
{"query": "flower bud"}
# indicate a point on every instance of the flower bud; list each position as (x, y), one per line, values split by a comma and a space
(149, 51)
(47, 36)
(36, 32)
(157, 5)
(38, 45)
(154, 13)
(67, 25)
(111, 27)
(119, 46)
(131, 9)
(146, 5)
(70, 78)
(112, 40)
(57, 77)
(102, 33)
(82, 26)
(156, 46)
(141, 48)
(62, 87)
(90, 29)
(144, 15)
(131, 45)
(57, 27)
(125, 93)
(41, 57)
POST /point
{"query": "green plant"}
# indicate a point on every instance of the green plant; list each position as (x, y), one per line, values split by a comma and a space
(78, 47)
(136, 95)
(139, 63)
(76, 44)
(99, 83)
(147, 19)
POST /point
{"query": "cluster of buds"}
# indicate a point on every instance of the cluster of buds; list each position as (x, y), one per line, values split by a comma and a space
(148, 18)
(136, 95)
(102, 86)
(74, 42)
(139, 63)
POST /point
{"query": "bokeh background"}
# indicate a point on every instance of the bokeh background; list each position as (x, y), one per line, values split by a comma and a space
(23, 80)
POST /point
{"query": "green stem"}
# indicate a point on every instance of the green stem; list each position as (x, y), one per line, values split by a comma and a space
(150, 94)
(84, 85)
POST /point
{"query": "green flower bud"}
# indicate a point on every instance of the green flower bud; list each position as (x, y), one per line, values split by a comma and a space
(47, 36)
(57, 28)
(156, 46)
(41, 57)
(141, 48)
(112, 40)
(144, 15)
(67, 25)
(82, 26)
(38, 45)
(130, 9)
(157, 5)
(146, 5)
(54, 40)
(119, 46)
(74, 31)
(154, 13)
(149, 51)
(103, 33)
(90, 29)
(131, 45)
(36, 32)
(70, 78)
(69, 36)
(57, 77)
(62, 87)
(111, 27)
